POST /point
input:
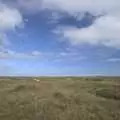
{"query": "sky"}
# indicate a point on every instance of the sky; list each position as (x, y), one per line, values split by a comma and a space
(59, 37)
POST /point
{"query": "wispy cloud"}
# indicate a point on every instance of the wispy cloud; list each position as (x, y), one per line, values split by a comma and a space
(68, 57)
(9, 54)
(113, 60)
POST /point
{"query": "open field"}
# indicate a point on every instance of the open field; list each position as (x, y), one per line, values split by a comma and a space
(60, 98)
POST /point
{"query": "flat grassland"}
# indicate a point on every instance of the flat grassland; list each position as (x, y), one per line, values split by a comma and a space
(60, 98)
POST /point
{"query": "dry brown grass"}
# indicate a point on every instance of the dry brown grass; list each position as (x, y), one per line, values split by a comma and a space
(60, 99)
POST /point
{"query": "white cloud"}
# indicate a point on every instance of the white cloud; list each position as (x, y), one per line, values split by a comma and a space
(10, 18)
(104, 31)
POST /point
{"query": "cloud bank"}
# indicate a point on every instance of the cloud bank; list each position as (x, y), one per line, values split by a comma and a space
(103, 31)
(70, 6)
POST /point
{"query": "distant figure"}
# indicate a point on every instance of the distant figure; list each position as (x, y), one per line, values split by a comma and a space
(37, 80)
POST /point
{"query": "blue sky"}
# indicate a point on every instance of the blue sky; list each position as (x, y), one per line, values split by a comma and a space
(59, 37)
